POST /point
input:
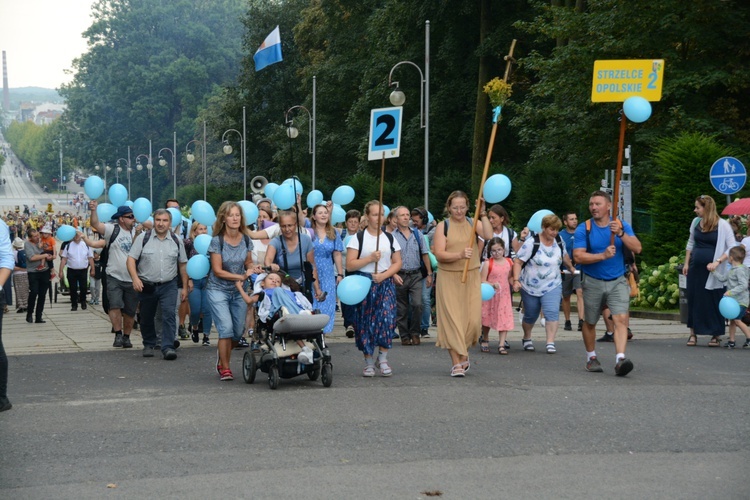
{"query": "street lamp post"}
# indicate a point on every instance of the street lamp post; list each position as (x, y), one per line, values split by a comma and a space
(60, 180)
(105, 168)
(127, 171)
(243, 153)
(398, 98)
(150, 168)
(163, 163)
(191, 157)
(292, 132)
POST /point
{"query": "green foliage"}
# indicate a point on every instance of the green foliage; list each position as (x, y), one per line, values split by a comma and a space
(683, 163)
(659, 285)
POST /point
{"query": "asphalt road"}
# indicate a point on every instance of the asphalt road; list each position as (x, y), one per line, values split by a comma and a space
(528, 425)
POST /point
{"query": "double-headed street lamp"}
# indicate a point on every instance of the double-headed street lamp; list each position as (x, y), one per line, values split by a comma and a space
(150, 168)
(60, 181)
(163, 163)
(106, 168)
(292, 132)
(398, 98)
(243, 154)
(118, 169)
(191, 157)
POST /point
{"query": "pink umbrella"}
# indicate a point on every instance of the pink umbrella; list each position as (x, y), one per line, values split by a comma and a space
(739, 207)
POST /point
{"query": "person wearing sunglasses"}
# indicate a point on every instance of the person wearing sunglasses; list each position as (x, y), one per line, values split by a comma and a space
(122, 298)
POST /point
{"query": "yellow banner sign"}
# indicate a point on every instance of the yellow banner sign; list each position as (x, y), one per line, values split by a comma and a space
(615, 81)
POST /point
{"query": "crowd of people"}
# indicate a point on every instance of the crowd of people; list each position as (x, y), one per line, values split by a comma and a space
(140, 271)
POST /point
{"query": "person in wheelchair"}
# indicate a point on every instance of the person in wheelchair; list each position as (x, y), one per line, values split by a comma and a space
(273, 300)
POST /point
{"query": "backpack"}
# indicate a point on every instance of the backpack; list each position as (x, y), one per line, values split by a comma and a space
(104, 256)
(537, 243)
(625, 250)
(361, 240)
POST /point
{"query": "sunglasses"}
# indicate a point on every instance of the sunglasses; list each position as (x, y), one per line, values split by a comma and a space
(128, 216)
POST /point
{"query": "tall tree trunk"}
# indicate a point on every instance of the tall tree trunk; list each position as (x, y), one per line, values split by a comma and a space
(478, 152)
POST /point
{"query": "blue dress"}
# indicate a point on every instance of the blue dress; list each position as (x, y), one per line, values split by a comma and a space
(327, 275)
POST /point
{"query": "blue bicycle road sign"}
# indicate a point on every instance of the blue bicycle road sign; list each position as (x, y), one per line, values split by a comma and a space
(728, 175)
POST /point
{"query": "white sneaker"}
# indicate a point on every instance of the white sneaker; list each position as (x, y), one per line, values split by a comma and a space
(305, 356)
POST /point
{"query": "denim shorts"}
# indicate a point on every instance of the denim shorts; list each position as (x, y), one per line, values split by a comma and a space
(228, 310)
(549, 303)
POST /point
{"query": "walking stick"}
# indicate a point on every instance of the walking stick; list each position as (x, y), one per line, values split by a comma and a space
(497, 99)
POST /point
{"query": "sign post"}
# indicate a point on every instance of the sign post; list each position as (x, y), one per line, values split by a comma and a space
(728, 176)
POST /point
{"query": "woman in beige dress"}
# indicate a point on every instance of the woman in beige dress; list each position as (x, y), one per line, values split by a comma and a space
(459, 305)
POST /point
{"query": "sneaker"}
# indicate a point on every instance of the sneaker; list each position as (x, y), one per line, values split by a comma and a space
(255, 346)
(623, 367)
(83, 305)
(580, 325)
(176, 344)
(729, 344)
(746, 345)
(194, 335)
(424, 333)
(118, 340)
(243, 343)
(305, 356)
(385, 369)
(551, 348)
(415, 340)
(350, 332)
(406, 341)
(506, 346)
(148, 351)
(226, 374)
(369, 371)
(593, 365)
(568, 327)
(169, 354)
(528, 345)
(5, 404)
(206, 342)
(396, 335)
(126, 342)
(607, 337)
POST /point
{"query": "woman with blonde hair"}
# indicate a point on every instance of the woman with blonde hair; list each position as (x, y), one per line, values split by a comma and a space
(327, 246)
(708, 246)
(230, 253)
(459, 303)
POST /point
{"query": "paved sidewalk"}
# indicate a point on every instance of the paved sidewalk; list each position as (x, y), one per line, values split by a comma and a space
(89, 330)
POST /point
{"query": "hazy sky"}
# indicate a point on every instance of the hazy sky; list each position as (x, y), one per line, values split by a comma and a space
(41, 38)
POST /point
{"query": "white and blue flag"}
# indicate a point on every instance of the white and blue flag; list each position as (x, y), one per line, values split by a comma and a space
(269, 51)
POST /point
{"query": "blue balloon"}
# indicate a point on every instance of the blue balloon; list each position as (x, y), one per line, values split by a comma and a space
(284, 197)
(487, 291)
(105, 211)
(198, 266)
(343, 195)
(118, 194)
(353, 289)
(296, 185)
(65, 232)
(314, 197)
(729, 307)
(249, 210)
(142, 209)
(203, 212)
(430, 217)
(338, 215)
(535, 223)
(270, 189)
(201, 243)
(176, 216)
(637, 109)
(93, 187)
(386, 211)
(496, 188)
(129, 203)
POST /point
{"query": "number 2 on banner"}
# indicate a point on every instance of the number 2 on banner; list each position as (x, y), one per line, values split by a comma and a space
(385, 133)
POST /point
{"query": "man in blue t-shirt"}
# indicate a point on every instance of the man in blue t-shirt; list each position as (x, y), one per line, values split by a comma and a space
(571, 282)
(603, 277)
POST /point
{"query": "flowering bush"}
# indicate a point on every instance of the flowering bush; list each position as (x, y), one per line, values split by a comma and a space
(659, 286)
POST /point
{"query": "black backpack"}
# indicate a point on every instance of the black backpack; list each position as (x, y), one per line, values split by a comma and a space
(537, 243)
(104, 256)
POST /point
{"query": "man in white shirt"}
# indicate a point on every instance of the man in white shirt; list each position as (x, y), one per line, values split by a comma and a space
(80, 259)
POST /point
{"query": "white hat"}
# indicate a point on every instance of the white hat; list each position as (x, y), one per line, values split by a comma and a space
(18, 243)
(46, 229)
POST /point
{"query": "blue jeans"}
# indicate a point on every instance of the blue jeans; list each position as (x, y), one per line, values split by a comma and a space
(549, 303)
(426, 305)
(198, 299)
(166, 296)
(228, 311)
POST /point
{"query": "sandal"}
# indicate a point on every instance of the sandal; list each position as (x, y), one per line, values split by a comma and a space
(528, 345)
(457, 371)
(551, 348)
(692, 341)
(484, 345)
(714, 342)
(466, 365)
(502, 350)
